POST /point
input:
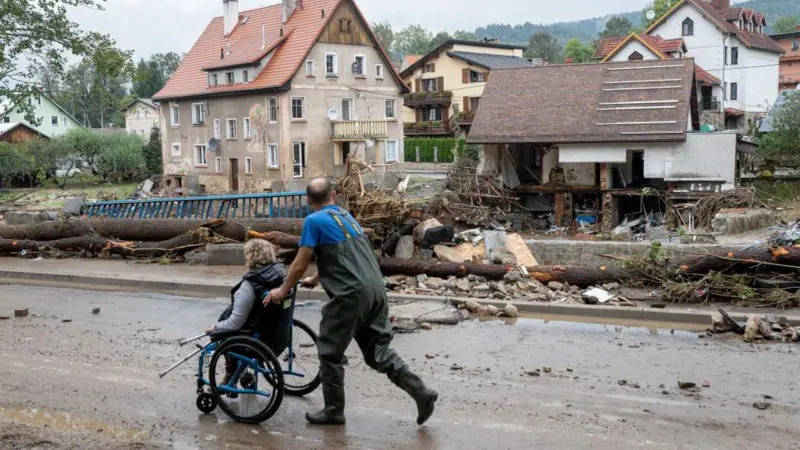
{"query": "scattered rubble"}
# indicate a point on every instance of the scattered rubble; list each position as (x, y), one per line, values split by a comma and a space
(96, 311)
(762, 405)
(21, 312)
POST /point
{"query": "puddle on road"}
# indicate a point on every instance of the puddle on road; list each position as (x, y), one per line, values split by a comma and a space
(599, 324)
(66, 422)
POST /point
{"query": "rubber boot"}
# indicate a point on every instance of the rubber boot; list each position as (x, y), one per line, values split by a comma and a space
(425, 398)
(333, 413)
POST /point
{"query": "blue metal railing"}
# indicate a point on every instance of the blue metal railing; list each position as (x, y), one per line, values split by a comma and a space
(245, 206)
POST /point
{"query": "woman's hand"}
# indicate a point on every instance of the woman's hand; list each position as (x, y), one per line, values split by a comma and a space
(276, 295)
(212, 329)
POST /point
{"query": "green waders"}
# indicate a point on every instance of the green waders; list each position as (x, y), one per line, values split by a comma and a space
(357, 310)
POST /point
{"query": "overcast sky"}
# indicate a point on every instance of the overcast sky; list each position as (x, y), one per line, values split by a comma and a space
(157, 26)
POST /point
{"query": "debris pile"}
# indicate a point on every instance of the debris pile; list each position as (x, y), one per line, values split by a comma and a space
(708, 206)
(369, 205)
(758, 328)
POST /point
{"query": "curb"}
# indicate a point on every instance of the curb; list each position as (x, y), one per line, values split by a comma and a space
(193, 289)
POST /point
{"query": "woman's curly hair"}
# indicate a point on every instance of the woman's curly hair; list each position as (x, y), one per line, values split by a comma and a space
(258, 253)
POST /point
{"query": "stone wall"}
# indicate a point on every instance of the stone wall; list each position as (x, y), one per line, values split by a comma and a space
(585, 253)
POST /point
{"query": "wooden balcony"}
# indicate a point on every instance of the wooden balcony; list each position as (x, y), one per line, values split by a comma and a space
(433, 128)
(360, 130)
(418, 99)
(465, 118)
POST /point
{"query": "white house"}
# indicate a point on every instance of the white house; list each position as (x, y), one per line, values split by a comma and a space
(141, 115)
(53, 119)
(730, 44)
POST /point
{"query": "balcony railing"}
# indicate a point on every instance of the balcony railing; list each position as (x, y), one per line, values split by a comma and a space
(360, 130)
(443, 98)
(465, 117)
(709, 104)
(429, 128)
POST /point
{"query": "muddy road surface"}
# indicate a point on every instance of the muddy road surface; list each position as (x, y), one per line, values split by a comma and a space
(75, 380)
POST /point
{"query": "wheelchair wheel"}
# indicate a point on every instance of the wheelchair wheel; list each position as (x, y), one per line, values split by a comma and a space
(256, 377)
(206, 403)
(300, 361)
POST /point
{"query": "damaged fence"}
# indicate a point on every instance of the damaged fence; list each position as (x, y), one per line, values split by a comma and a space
(245, 206)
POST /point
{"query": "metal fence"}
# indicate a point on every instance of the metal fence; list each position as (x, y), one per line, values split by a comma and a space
(246, 206)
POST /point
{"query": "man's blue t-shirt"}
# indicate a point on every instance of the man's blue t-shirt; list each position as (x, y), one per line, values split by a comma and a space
(321, 229)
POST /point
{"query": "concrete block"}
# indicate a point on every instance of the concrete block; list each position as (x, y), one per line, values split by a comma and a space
(735, 221)
(73, 205)
(225, 254)
(25, 217)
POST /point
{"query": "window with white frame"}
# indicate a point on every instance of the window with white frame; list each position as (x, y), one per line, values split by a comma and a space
(54, 121)
(247, 131)
(213, 80)
(216, 129)
(248, 166)
(218, 164)
(391, 151)
(299, 159)
(231, 79)
(174, 115)
(475, 76)
(176, 149)
(6, 119)
(230, 130)
(272, 109)
(272, 156)
(379, 71)
(198, 114)
(200, 155)
(310, 68)
(331, 64)
(391, 108)
(298, 108)
(347, 109)
(687, 27)
(245, 76)
(64, 120)
(360, 66)
(429, 85)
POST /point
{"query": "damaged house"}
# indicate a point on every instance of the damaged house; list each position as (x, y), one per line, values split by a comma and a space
(596, 142)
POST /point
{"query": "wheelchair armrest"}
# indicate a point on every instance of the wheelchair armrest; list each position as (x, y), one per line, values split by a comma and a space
(218, 335)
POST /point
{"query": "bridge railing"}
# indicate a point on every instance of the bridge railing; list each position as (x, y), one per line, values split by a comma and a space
(245, 206)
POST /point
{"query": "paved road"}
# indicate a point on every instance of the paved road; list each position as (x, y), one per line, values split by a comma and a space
(91, 383)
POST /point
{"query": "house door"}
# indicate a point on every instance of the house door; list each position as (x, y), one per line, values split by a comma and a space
(345, 151)
(705, 93)
(234, 174)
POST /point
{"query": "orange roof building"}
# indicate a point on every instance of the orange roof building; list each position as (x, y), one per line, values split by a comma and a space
(270, 97)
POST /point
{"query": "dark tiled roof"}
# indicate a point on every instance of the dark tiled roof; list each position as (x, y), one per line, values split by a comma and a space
(147, 101)
(491, 61)
(449, 44)
(575, 103)
(717, 17)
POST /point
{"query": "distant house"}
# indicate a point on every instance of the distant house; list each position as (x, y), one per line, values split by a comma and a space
(768, 124)
(790, 61)
(16, 132)
(271, 97)
(53, 119)
(587, 139)
(141, 115)
(447, 83)
(408, 60)
(729, 42)
(642, 47)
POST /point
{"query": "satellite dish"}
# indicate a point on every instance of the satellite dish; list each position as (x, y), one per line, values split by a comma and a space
(213, 144)
(651, 15)
(333, 114)
(418, 73)
(370, 143)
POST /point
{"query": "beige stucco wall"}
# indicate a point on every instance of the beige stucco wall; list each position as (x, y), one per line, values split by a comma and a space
(320, 93)
(140, 119)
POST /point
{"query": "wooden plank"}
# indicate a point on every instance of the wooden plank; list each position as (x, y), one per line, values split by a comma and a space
(337, 31)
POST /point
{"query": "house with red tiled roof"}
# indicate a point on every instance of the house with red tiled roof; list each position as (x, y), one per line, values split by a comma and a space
(270, 97)
(730, 44)
(654, 47)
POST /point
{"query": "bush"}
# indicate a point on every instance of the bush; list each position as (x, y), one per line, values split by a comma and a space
(121, 159)
(15, 164)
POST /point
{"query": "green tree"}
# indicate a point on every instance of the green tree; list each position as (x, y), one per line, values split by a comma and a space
(122, 158)
(96, 89)
(385, 34)
(463, 35)
(617, 26)
(14, 163)
(785, 24)
(544, 46)
(152, 153)
(784, 141)
(660, 7)
(577, 52)
(413, 40)
(439, 39)
(37, 34)
(152, 74)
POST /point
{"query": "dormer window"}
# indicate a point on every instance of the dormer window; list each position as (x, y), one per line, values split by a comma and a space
(741, 24)
(635, 56)
(230, 77)
(213, 80)
(750, 26)
(245, 77)
(687, 28)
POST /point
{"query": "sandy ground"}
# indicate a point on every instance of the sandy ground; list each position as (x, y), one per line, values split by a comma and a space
(91, 384)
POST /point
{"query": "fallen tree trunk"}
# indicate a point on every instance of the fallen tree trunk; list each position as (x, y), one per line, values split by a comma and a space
(582, 276)
(143, 229)
(392, 266)
(282, 240)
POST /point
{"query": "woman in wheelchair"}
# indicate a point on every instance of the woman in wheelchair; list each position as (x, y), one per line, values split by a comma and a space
(246, 314)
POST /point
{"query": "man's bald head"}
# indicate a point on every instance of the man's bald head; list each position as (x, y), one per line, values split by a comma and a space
(319, 191)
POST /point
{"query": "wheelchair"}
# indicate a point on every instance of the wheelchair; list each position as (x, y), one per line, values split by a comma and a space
(247, 378)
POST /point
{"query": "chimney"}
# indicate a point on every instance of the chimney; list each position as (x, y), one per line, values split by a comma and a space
(288, 8)
(230, 14)
(721, 4)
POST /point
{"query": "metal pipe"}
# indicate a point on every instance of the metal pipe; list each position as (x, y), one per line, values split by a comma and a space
(191, 339)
